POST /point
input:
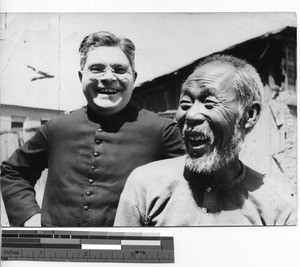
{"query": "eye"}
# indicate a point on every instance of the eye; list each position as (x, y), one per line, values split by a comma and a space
(120, 70)
(185, 104)
(210, 103)
(96, 69)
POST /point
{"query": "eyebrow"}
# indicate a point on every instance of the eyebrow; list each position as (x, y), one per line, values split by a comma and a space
(112, 65)
(97, 64)
(119, 65)
(206, 90)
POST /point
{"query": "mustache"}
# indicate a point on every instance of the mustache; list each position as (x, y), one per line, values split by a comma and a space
(200, 131)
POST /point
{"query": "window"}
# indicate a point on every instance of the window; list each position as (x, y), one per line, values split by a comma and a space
(16, 124)
(43, 121)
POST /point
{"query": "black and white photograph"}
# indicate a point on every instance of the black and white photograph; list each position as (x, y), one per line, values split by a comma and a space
(148, 119)
(150, 132)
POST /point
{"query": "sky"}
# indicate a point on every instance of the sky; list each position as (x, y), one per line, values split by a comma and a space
(49, 42)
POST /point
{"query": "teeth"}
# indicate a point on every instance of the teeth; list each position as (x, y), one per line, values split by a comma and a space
(198, 134)
(112, 91)
(199, 137)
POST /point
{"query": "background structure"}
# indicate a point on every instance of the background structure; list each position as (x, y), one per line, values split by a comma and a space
(39, 64)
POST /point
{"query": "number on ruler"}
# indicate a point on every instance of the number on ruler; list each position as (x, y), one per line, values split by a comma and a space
(140, 252)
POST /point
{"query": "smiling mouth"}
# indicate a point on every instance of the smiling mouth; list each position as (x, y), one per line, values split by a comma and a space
(107, 91)
(198, 139)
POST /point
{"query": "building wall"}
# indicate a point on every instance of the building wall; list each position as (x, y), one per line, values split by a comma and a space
(31, 117)
(11, 139)
(28, 112)
(290, 160)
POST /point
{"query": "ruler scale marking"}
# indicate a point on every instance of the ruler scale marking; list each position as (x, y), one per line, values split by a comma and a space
(84, 246)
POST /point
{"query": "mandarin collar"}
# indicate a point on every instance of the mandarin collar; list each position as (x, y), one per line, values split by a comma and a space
(128, 113)
(194, 179)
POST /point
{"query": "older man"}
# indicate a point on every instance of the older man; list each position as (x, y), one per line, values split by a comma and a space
(219, 104)
(90, 152)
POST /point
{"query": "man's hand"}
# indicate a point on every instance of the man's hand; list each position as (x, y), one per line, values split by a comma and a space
(35, 221)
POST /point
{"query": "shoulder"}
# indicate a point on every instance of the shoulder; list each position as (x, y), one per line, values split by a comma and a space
(67, 118)
(275, 201)
(253, 173)
(262, 184)
(162, 167)
(154, 117)
(280, 193)
(167, 129)
(72, 114)
(268, 185)
(162, 172)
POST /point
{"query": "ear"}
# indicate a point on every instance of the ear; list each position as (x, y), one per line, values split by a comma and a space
(135, 76)
(80, 75)
(252, 115)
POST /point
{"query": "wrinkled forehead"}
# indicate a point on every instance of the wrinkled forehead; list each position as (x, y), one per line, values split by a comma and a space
(213, 76)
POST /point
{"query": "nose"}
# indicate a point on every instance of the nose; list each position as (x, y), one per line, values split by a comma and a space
(196, 114)
(108, 75)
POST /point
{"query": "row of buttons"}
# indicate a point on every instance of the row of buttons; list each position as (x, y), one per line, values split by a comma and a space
(204, 210)
(93, 167)
(88, 193)
(97, 154)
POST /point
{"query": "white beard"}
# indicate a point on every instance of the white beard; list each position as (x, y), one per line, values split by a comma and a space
(217, 159)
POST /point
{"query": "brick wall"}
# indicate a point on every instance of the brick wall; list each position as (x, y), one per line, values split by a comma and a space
(291, 145)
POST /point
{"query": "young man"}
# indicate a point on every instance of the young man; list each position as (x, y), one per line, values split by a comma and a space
(90, 152)
(220, 103)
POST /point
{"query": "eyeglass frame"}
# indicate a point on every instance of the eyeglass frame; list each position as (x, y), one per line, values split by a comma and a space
(102, 73)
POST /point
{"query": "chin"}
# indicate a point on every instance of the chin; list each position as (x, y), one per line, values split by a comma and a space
(102, 103)
(214, 161)
(206, 163)
(109, 103)
(217, 158)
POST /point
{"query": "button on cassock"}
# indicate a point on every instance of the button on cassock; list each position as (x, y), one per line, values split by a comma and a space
(93, 167)
(98, 141)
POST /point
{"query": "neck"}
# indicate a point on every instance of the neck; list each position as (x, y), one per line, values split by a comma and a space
(225, 174)
(106, 113)
(103, 112)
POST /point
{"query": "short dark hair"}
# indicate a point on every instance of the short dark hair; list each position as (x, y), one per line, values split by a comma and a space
(104, 38)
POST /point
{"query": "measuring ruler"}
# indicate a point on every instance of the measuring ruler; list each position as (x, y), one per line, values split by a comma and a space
(87, 246)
